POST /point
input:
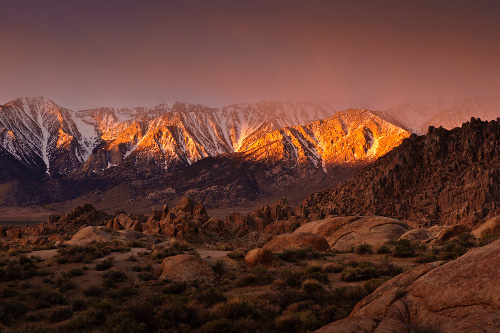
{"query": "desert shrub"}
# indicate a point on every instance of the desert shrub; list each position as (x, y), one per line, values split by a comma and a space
(211, 296)
(316, 273)
(176, 313)
(64, 283)
(333, 268)
(78, 305)
(92, 291)
(373, 284)
(292, 279)
(225, 247)
(132, 258)
(283, 297)
(60, 314)
(89, 319)
(144, 276)
(8, 293)
(23, 259)
(387, 268)
(121, 323)
(123, 292)
(237, 254)
(105, 264)
(403, 248)
(294, 255)
(83, 321)
(487, 239)
(135, 243)
(457, 247)
(20, 269)
(384, 249)
(173, 250)
(230, 326)
(363, 249)
(259, 276)
(175, 288)
(85, 253)
(46, 298)
(311, 286)
(426, 257)
(34, 317)
(11, 309)
(302, 321)
(115, 276)
(75, 272)
(356, 271)
(141, 312)
(136, 268)
(219, 267)
(235, 309)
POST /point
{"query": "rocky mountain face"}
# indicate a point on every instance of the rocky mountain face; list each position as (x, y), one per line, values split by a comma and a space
(216, 155)
(418, 117)
(43, 137)
(49, 139)
(446, 177)
(351, 137)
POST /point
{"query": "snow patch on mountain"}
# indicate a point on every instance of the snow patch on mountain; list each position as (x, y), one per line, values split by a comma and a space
(44, 141)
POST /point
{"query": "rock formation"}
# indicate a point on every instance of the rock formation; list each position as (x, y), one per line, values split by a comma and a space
(297, 241)
(342, 233)
(459, 296)
(446, 177)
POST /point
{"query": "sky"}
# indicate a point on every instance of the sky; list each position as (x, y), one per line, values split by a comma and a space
(373, 54)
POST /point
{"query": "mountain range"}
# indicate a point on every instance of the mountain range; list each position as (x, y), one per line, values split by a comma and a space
(255, 148)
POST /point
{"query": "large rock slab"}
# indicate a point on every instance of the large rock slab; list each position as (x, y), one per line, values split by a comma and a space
(460, 296)
(417, 235)
(345, 232)
(259, 257)
(186, 267)
(297, 240)
(490, 227)
(327, 226)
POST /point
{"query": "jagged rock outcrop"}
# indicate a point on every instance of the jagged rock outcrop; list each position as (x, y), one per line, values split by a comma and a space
(447, 177)
(459, 296)
(273, 219)
(184, 221)
(125, 221)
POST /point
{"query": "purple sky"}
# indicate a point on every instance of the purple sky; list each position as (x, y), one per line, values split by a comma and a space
(374, 54)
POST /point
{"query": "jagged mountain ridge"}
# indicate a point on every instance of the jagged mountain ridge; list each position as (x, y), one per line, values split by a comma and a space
(248, 149)
(351, 137)
(44, 136)
(446, 177)
(418, 117)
